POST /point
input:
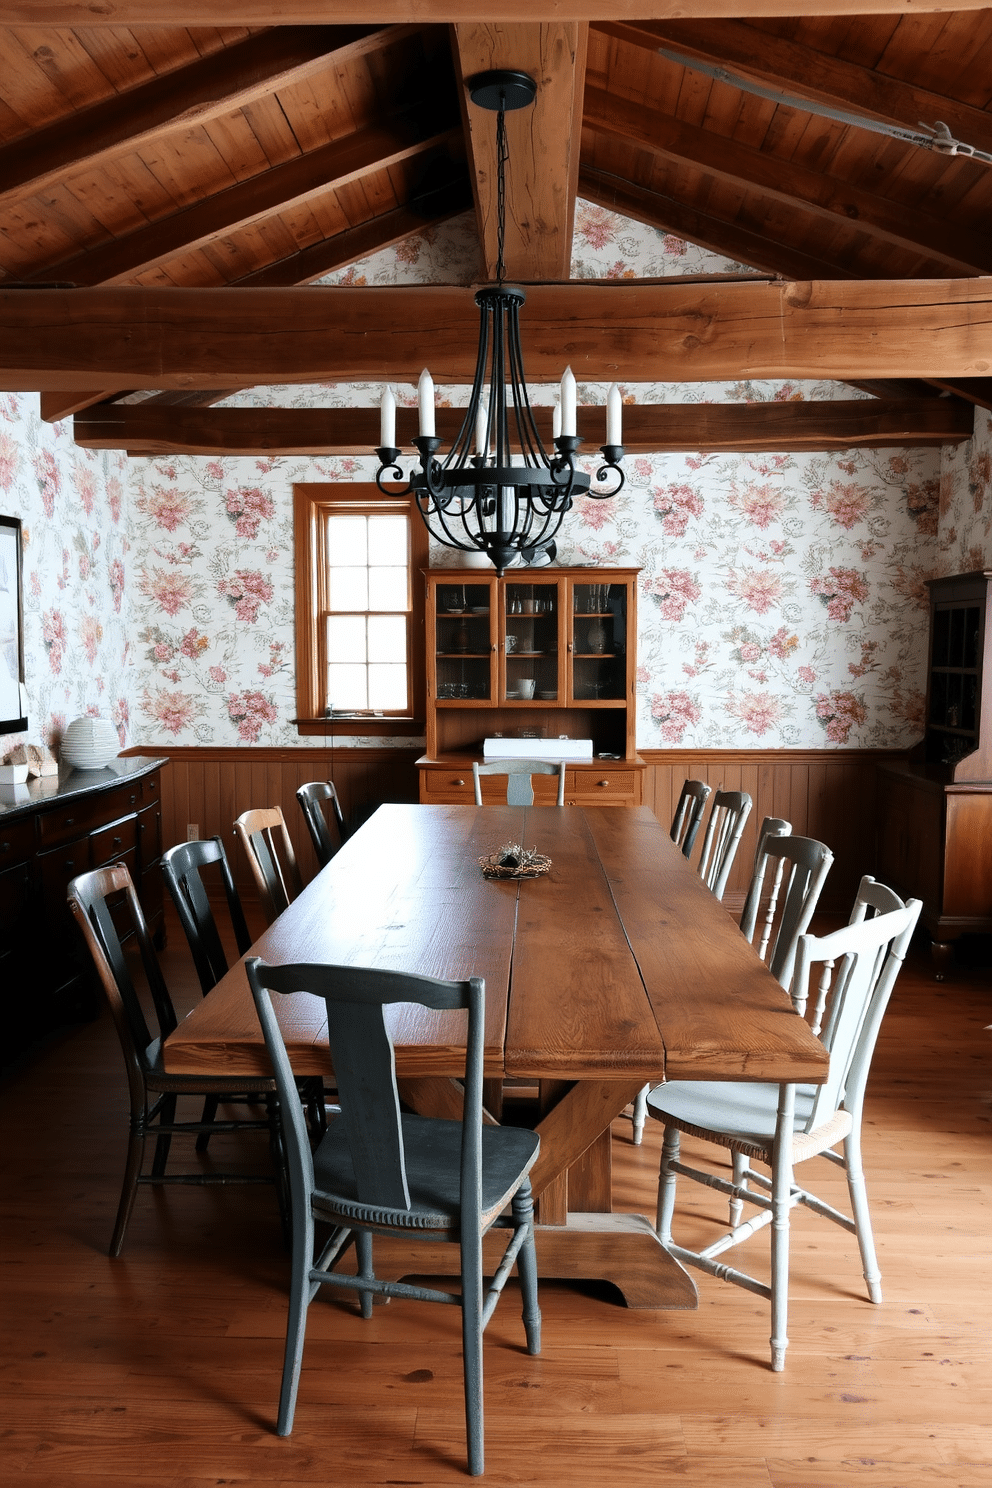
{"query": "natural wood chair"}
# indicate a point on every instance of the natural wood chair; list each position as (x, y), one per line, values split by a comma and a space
(518, 772)
(182, 868)
(380, 1171)
(729, 812)
(106, 909)
(325, 842)
(784, 1125)
(265, 839)
(689, 815)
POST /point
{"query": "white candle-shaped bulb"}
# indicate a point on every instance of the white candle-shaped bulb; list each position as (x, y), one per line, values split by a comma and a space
(425, 397)
(481, 427)
(568, 402)
(556, 419)
(614, 415)
(387, 419)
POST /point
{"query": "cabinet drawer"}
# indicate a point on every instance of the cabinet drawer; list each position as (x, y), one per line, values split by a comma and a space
(113, 841)
(586, 787)
(448, 786)
(16, 841)
(150, 789)
(68, 822)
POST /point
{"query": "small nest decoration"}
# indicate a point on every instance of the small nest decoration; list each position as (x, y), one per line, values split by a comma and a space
(513, 861)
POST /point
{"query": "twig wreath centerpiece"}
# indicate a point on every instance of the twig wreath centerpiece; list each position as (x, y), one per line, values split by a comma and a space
(513, 861)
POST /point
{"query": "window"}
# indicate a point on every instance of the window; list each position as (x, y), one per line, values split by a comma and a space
(359, 607)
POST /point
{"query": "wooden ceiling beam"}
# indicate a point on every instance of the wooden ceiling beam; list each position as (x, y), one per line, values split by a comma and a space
(792, 67)
(331, 166)
(638, 331)
(542, 143)
(189, 96)
(83, 13)
(825, 197)
(862, 424)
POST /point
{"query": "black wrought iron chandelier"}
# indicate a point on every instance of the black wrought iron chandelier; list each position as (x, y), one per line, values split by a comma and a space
(498, 490)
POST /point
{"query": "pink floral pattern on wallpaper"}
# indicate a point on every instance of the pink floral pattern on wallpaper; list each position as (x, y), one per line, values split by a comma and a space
(76, 568)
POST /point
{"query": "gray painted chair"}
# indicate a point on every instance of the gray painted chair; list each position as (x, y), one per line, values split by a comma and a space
(325, 841)
(182, 868)
(788, 878)
(729, 812)
(380, 1171)
(519, 791)
(153, 1092)
(784, 1125)
(265, 839)
(689, 815)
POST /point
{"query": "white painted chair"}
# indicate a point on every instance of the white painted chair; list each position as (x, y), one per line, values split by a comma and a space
(689, 814)
(784, 1125)
(518, 772)
(784, 915)
(729, 812)
(265, 838)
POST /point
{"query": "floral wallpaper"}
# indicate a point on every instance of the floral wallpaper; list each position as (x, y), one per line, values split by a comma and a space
(782, 601)
(72, 505)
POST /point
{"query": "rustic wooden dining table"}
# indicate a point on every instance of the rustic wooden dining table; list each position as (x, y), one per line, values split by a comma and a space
(615, 968)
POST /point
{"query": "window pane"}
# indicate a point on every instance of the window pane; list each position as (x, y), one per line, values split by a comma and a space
(388, 540)
(348, 589)
(346, 687)
(388, 588)
(387, 687)
(387, 638)
(346, 638)
(347, 541)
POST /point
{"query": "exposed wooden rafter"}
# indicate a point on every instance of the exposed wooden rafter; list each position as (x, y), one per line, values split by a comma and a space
(304, 12)
(542, 143)
(631, 330)
(804, 190)
(151, 429)
(193, 94)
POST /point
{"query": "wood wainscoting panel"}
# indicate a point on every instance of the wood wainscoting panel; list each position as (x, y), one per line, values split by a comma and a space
(210, 787)
(829, 794)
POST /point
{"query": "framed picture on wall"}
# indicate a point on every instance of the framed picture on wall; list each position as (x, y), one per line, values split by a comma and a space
(13, 714)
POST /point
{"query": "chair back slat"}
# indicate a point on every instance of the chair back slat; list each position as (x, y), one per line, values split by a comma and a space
(269, 850)
(518, 772)
(868, 955)
(364, 1064)
(310, 797)
(788, 880)
(182, 869)
(729, 812)
(689, 815)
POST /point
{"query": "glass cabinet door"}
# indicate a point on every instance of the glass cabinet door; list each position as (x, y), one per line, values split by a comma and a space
(531, 624)
(599, 642)
(464, 632)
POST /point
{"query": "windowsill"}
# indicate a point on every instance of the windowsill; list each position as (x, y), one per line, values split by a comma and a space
(361, 723)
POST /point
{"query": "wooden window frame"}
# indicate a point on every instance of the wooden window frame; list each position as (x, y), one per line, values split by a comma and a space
(312, 502)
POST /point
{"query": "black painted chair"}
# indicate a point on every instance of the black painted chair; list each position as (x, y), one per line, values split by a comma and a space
(379, 1171)
(325, 841)
(689, 815)
(106, 910)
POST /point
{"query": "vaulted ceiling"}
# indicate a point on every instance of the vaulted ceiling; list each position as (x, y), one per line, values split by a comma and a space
(135, 151)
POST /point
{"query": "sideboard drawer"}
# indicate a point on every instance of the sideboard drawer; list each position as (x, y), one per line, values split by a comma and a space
(113, 841)
(17, 841)
(452, 786)
(602, 785)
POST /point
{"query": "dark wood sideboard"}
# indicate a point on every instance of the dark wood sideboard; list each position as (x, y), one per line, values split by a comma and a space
(50, 830)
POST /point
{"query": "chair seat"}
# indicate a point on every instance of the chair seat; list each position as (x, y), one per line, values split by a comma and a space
(744, 1114)
(160, 1080)
(432, 1153)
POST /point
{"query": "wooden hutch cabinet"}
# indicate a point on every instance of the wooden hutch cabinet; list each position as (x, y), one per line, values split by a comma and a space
(543, 654)
(935, 810)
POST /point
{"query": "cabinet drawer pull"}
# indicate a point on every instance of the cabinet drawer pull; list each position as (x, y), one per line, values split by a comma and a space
(118, 840)
(602, 782)
(458, 782)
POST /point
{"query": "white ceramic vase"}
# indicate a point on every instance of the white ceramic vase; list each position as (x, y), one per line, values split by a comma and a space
(89, 743)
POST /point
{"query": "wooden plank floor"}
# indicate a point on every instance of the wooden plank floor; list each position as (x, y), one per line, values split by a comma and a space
(162, 1367)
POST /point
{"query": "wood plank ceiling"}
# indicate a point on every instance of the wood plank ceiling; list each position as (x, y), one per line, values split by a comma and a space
(135, 151)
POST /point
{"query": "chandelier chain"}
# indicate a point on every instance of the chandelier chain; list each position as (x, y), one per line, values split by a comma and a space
(502, 156)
